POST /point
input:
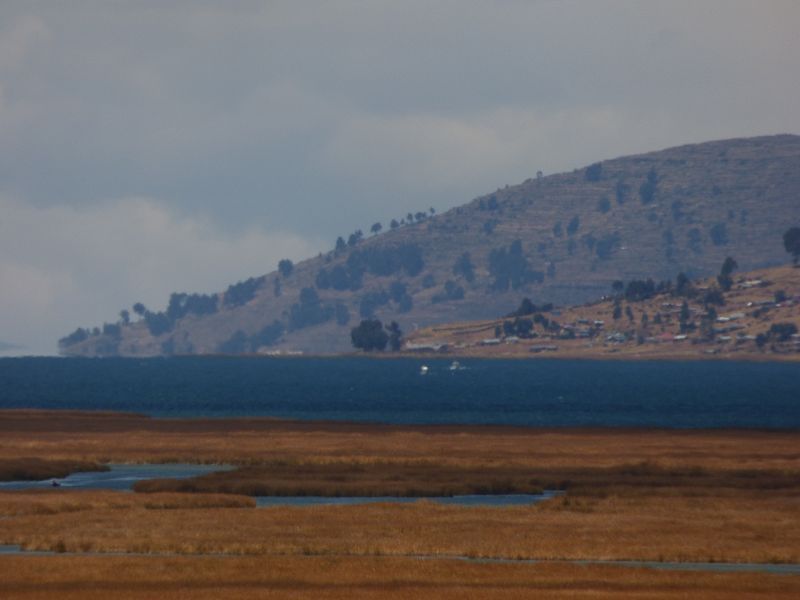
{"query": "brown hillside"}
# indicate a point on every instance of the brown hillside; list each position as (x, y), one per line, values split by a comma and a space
(745, 327)
(683, 209)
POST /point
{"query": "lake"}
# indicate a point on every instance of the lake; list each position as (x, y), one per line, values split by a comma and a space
(555, 393)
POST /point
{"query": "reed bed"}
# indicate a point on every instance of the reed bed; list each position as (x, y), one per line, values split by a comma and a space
(420, 479)
(129, 438)
(745, 527)
(340, 578)
(52, 502)
(663, 495)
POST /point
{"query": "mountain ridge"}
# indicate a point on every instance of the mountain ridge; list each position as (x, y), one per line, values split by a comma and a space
(559, 238)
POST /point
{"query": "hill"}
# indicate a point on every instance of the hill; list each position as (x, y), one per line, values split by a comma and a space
(560, 238)
(758, 318)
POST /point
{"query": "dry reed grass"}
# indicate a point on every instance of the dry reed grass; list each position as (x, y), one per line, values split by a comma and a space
(633, 494)
(126, 438)
(420, 479)
(55, 501)
(313, 578)
(745, 527)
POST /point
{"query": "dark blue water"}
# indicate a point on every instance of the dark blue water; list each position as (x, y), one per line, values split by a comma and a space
(517, 392)
(494, 500)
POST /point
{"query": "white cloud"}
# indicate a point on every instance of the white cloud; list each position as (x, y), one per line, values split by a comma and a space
(61, 267)
(455, 157)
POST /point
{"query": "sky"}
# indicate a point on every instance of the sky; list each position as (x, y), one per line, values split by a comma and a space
(149, 147)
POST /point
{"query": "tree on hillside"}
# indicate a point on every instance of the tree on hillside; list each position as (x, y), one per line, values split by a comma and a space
(621, 191)
(124, 316)
(341, 246)
(647, 191)
(572, 226)
(394, 224)
(375, 229)
(724, 278)
(286, 267)
(683, 286)
(617, 314)
(369, 335)
(464, 267)
(791, 241)
(594, 172)
(139, 309)
(395, 336)
(354, 238)
(685, 316)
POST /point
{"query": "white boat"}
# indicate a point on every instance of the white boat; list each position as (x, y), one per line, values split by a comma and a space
(423, 370)
(456, 366)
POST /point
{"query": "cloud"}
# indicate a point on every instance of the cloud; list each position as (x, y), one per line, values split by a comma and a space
(442, 159)
(271, 106)
(61, 267)
(19, 38)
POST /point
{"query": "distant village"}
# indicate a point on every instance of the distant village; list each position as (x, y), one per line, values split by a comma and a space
(756, 315)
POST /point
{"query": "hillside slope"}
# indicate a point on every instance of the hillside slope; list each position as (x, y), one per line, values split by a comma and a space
(561, 238)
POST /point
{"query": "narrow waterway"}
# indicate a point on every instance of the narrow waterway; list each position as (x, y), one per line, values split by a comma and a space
(119, 477)
(775, 569)
(122, 477)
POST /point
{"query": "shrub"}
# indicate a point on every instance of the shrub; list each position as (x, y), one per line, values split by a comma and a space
(638, 290)
(621, 191)
(371, 301)
(242, 292)
(157, 323)
(509, 267)
(782, 332)
(791, 242)
(76, 337)
(605, 246)
(181, 305)
(112, 330)
(268, 335)
(309, 310)
(451, 292)
(724, 278)
(719, 234)
(464, 267)
(572, 226)
(385, 261)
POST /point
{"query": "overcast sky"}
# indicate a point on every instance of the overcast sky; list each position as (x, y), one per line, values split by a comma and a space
(152, 147)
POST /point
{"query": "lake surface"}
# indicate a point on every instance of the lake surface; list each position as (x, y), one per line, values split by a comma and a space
(119, 477)
(774, 569)
(515, 392)
(467, 500)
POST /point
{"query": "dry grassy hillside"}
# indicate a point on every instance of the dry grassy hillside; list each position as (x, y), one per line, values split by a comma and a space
(759, 320)
(682, 209)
